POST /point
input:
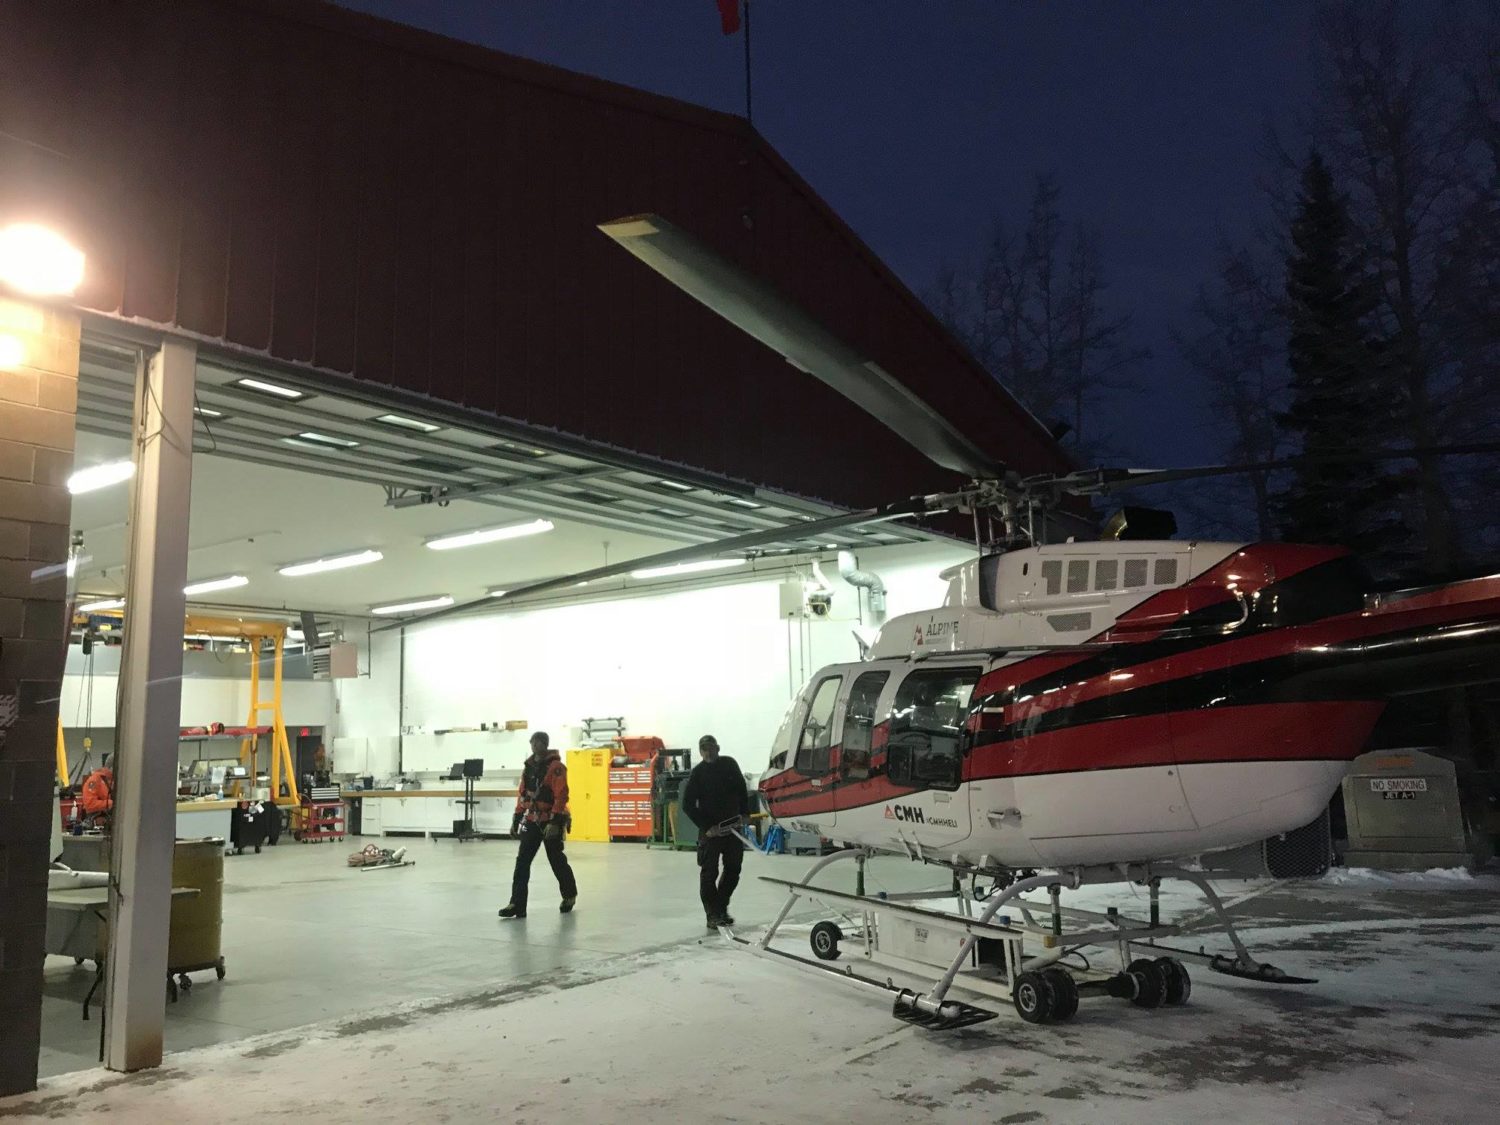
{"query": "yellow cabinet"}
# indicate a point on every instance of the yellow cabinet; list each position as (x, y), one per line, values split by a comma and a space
(588, 794)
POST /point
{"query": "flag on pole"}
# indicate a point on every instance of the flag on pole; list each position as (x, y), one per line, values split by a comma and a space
(729, 16)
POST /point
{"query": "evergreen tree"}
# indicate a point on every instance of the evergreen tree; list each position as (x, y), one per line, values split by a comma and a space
(1343, 399)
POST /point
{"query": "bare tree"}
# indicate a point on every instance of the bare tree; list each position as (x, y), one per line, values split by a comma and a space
(1034, 315)
(1237, 347)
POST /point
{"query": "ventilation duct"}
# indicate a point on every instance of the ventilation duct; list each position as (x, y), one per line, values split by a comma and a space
(865, 580)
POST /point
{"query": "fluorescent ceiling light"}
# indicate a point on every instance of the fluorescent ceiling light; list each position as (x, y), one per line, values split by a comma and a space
(489, 535)
(496, 593)
(407, 423)
(740, 502)
(328, 439)
(207, 412)
(675, 485)
(413, 607)
(334, 562)
(100, 476)
(39, 262)
(99, 606)
(261, 386)
(212, 584)
(687, 568)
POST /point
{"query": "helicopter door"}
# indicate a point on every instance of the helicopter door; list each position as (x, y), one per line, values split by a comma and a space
(816, 744)
(925, 751)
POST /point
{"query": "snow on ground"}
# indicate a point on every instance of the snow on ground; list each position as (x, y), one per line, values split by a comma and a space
(1403, 1026)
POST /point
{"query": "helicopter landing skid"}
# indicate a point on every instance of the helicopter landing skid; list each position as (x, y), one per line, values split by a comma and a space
(1015, 956)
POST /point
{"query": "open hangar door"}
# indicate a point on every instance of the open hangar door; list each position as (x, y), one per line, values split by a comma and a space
(326, 509)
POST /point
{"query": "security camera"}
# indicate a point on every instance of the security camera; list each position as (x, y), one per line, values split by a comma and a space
(820, 603)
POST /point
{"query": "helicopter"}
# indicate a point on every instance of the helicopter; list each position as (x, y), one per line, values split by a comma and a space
(1098, 710)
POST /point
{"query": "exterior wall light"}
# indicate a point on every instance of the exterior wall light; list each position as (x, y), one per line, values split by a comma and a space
(39, 262)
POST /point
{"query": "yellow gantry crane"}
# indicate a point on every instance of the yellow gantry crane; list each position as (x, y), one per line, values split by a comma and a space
(257, 633)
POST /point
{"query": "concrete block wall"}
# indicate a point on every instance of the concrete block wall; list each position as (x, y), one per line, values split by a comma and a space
(38, 405)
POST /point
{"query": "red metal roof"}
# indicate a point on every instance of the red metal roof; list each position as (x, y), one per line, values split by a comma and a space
(294, 180)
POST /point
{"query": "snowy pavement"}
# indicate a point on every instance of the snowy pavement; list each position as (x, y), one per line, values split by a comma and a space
(1403, 1026)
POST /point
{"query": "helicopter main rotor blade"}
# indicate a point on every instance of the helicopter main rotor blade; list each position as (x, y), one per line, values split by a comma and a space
(1103, 481)
(761, 537)
(759, 310)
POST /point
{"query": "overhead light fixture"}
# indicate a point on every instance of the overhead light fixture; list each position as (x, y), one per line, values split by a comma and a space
(207, 412)
(741, 502)
(334, 562)
(676, 485)
(276, 390)
(38, 261)
(496, 593)
(100, 476)
(101, 606)
(212, 584)
(407, 423)
(12, 352)
(687, 568)
(413, 607)
(489, 535)
(325, 439)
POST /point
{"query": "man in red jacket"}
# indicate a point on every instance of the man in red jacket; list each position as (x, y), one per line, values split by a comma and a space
(541, 821)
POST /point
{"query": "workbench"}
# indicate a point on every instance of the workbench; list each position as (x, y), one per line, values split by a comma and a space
(77, 921)
(199, 819)
(431, 812)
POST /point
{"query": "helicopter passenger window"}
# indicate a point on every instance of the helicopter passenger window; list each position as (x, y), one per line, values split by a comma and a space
(1106, 574)
(1164, 573)
(1052, 575)
(814, 748)
(928, 731)
(859, 723)
(1078, 576)
(1135, 572)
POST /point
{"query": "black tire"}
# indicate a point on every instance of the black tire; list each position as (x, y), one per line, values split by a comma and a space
(1034, 998)
(825, 941)
(1150, 983)
(78, 960)
(1179, 984)
(1065, 990)
(257, 849)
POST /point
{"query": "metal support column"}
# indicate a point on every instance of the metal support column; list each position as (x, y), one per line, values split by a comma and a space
(150, 707)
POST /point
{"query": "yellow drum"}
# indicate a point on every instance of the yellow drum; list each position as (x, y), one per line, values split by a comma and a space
(198, 921)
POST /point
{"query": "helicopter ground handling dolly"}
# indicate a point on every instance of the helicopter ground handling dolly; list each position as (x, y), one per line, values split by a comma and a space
(1031, 955)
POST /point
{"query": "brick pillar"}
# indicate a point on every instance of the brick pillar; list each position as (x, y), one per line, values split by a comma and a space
(38, 404)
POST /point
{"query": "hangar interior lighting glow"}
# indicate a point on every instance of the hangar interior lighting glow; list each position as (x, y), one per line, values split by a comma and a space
(208, 586)
(407, 423)
(489, 535)
(103, 604)
(687, 568)
(413, 607)
(100, 476)
(334, 562)
(38, 261)
(276, 390)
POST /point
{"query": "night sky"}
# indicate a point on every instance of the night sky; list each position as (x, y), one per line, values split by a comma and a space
(922, 123)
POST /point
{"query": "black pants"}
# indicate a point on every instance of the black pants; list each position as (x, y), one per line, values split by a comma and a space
(531, 841)
(713, 888)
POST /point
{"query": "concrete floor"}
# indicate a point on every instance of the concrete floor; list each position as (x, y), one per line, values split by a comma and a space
(307, 938)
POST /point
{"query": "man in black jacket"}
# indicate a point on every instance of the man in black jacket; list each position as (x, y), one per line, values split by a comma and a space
(715, 799)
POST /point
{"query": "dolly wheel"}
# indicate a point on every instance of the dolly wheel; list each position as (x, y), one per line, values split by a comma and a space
(219, 969)
(1179, 984)
(1150, 983)
(1066, 992)
(1034, 998)
(825, 941)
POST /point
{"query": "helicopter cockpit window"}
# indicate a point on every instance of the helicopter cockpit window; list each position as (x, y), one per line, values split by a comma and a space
(1078, 576)
(1135, 572)
(815, 747)
(859, 723)
(928, 727)
(1052, 575)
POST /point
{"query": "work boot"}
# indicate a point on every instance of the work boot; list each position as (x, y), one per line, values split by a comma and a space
(713, 922)
(725, 920)
(567, 905)
(511, 910)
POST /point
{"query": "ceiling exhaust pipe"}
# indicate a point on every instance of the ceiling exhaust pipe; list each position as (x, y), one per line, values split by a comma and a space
(865, 580)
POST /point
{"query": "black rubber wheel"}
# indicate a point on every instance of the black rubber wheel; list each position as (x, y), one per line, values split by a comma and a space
(825, 941)
(184, 982)
(1179, 984)
(219, 969)
(257, 849)
(1150, 983)
(1034, 998)
(1065, 991)
(78, 960)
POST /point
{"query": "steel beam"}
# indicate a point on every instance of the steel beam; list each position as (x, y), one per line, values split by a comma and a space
(145, 763)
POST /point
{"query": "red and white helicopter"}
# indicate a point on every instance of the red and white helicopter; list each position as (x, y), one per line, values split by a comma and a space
(1078, 712)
